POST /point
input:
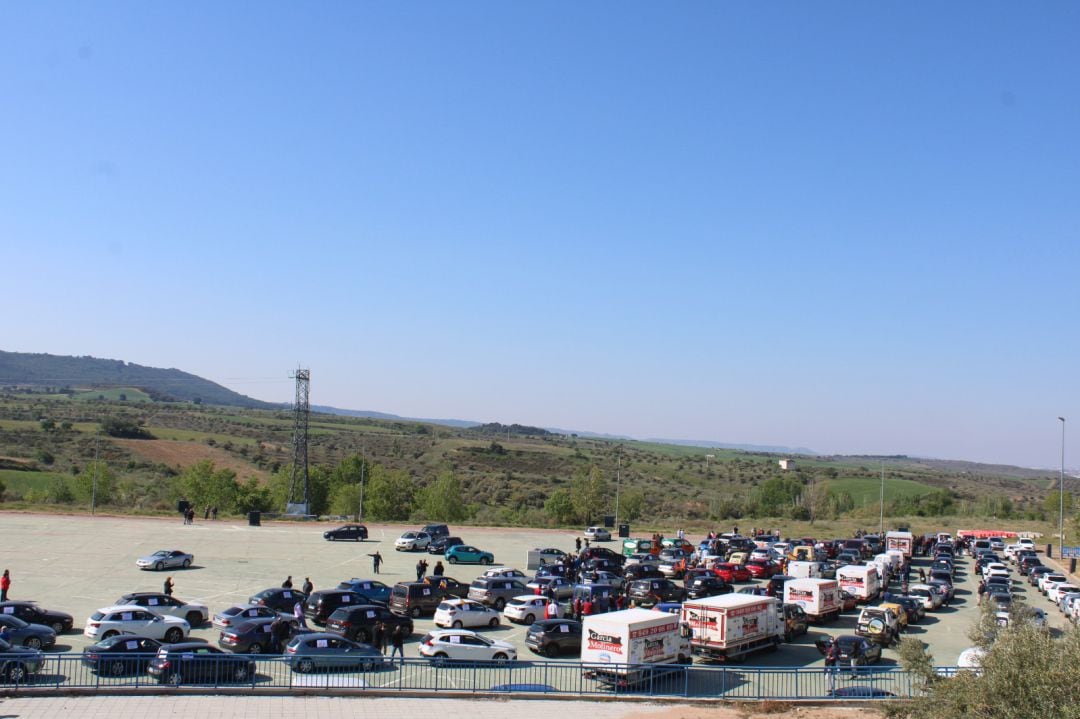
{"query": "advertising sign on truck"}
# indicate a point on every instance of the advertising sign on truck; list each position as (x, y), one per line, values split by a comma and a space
(629, 642)
(903, 541)
(730, 625)
(862, 581)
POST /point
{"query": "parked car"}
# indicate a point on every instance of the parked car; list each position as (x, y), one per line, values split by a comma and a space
(436, 530)
(412, 541)
(554, 637)
(358, 623)
(850, 648)
(321, 604)
(131, 619)
(775, 586)
(796, 622)
(601, 553)
(30, 612)
(278, 598)
(495, 591)
(374, 591)
(931, 600)
(252, 637)
(647, 592)
(635, 572)
(563, 588)
(848, 601)
(439, 545)
(166, 605)
(120, 654)
(196, 663)
(1035, 572)
(447, 586)
(601, 577)
(414, 598)
(347, 532)
(506, 573)
(731, 572)
(309, 652)
(762, 568)
(878, 625)
(165, 559)
(527, 609)
(18, 664)
(459, 613)
(597, 534)
(464, 645)
(240, 613)
(20, 633)
(466, 553)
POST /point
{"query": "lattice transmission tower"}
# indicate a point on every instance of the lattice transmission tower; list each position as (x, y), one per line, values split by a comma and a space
(299, 501)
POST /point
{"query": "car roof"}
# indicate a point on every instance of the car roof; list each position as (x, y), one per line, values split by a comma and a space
(124, 608)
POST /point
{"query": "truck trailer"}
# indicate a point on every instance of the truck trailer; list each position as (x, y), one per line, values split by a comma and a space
(628, 647)
(819, 598)
(732, 625)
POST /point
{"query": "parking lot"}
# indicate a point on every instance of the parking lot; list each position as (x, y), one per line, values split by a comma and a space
(78, 564)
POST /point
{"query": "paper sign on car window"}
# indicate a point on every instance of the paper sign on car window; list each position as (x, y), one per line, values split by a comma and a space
(345, 599)
(9, 610)
(320, 643)
(371, 613)
(153, 601)
(426, 591)
(565, 628)
(287, 595)
(126, 617)
(131, 645)
(455, 639)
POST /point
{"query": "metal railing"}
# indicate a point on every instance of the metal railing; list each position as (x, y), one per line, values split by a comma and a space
(117, 673)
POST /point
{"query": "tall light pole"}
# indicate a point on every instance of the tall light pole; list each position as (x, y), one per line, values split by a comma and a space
(1061, 492)
(618, 481)
(881, 503)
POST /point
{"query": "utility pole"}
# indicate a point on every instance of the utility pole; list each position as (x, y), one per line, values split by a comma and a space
(363, 466)
(97, 465)
(618, 481)
(1061, 492)
(881, 505)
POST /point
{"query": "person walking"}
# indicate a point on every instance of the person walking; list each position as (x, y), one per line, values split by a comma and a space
(830, 665)
(287, 584)
(376, 562)
(577, 608)
(5, 585)
(206, 512)
(384, 641)
(298, 612)
(377, 633)
(420, 570)
(397, 639)
(168, 587)
(308, 587)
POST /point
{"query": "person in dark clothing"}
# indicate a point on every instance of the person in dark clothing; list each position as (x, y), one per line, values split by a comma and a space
(577, 544)
(831, 655)
(287, 584)
(206, 512)
(377, 636)
(308, 586)
(279, 634)
(213, 513)
(167, 589)
(439, 569)
(5, 585)
(376, 561)
(420, 570)
(397, 639)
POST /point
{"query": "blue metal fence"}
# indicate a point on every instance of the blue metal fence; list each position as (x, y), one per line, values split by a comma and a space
(67, 671)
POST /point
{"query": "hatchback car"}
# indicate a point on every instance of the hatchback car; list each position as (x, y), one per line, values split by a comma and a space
(506, 573)
(439, 545)
(120, 654)
(241, 613)
(466, 553)
(192, 663)
(34, 636)
(528, 608)
(131, 619)
(463, 645)
(18, 664)
(647, 592)
(554, 637)
(321, 604)
(308, 652)
(358, 623)
(460, 613)
(30, 612)
(252, 637)
(563, 588)
(347, 532)
(412, 541)
(167, 605)
(165, 559)
(597, 534)
(731, 572)
(852, 650)
(762, 569)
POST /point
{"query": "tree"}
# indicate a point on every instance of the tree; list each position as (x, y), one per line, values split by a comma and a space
(345, 500)
(83, 488)
(441, 500)
(389, 495)
(125, 428)
(204, 485)
(632, 505)
(560, 507)
(589, 493)
(1052, 503)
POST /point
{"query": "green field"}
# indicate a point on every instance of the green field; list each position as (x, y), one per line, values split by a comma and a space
(131, 394)
(192, 435)
(20, 482)
(865, 490)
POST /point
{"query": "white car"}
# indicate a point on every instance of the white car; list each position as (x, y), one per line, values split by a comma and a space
(412, 541)
(546, 555)
(931, 600)
(528, 608)
(1048, 578)
(996, 569)
(458, 613)
(505, 573)
(110, 621)
(1057, 591)
(463, 645)
(1011, 550)
(643, 558)
(597, 534)
(764, 555)
(1026, 543)
(168, 606)
(971, 659)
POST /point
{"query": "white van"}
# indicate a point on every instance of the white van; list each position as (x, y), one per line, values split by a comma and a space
(862, 581)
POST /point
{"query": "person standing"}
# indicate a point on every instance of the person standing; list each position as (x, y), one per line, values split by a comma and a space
(298, 612)
(279, 634)
(577, 608)
(308, 587)
(577, 544)
(206, 512)
(5, 585)
(420, 570)
(397, 639)
(287, 584)
(213, 513)
(439, 569)
(830, 665)
(378, 633)
(167, 589)
(376, 562)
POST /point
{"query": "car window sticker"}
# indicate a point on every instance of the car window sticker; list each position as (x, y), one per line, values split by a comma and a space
(132, 645)
(153, 601)
(320, 643)
(455, 639)
(565, 628)
(370, 613)
(125, 617)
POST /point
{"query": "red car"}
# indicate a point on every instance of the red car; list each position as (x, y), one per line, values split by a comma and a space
(762, 569)
(732, 572)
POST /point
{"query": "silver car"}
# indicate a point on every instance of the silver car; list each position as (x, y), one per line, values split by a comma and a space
(165, 559)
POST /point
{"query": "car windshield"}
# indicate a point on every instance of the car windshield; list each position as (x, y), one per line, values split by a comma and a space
(161, 553)
(16, 622)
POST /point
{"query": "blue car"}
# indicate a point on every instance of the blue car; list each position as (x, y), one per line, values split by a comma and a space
(370, 588)
(464, 553)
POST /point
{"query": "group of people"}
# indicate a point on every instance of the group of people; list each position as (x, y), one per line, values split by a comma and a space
(189, 512)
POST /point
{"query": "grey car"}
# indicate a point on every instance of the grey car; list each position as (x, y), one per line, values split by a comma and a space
(35, 636)
(165, 559)
(308, 652)
(495, 591)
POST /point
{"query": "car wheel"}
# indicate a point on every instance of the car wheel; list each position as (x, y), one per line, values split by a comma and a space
(551, 650)
(500, 657)
(494, 622)
(362, 636)
(159, 566)
(255, 648)
(116, 667)
(305, 666)
(109, 634)
(439, 659)
(187, 563)
(415, 612)
(452, 559)
(194, 619)
(457, 624)
(485, 560)
(16, 673)
(58, 627)
(240, 673)
(529, 619)
(32, 643)
(499, 604)
(174, 635)
(175, 679)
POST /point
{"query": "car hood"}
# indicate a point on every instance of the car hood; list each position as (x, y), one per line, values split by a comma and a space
(23, 651)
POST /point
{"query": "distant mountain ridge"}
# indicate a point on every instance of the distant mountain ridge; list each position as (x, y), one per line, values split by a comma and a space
(25, 369)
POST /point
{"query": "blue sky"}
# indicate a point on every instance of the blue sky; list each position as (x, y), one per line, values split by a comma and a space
(846, 226)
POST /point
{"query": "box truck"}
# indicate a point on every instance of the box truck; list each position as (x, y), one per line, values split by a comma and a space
(904, 541)
(804, 569)
(819, 598)
(625, 648)
(862, 581)
(731, 625)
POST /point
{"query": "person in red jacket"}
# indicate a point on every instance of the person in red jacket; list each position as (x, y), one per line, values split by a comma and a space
(587, 608)
(5, 585)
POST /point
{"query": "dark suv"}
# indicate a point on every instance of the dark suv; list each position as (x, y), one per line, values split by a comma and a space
(495, 591)
(278, 599)
(552, 637)
(415, 598)
(706, 586)
(358, 623)
(436, 530)
(647, 592)
(439, 545)
(320, 605)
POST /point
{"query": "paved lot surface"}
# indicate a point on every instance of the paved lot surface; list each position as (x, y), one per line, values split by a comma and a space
(79, 564)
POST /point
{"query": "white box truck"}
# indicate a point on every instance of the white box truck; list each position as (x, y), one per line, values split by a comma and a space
(731, 625)
(804, 569)
(623, 648)
(819, 598)
(904, 541)
(861, 580)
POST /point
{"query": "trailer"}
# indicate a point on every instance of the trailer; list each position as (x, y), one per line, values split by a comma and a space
(625, 648)
(730, 626)
(862, 581)
(903, 541)
(819, 598)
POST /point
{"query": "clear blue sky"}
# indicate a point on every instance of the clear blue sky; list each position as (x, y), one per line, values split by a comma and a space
(846, 226)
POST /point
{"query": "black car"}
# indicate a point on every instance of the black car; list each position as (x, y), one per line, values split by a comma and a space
(358, 623)
(1029, 563)
(602, 564)
(436, 530)
(278, 598)
(775, 586)
(553, 637)
(705, 586)
(321, 604)
(647, 592)
(194, 663)
(253, 636)
(602, 553)
(347, 532)
(447, 586)
(121, 654)
(439, 545)
(33, 614)
(637, 572)
(850, 647)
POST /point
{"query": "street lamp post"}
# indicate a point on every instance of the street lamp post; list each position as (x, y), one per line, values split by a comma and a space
(881, 503)
(1061, 492)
